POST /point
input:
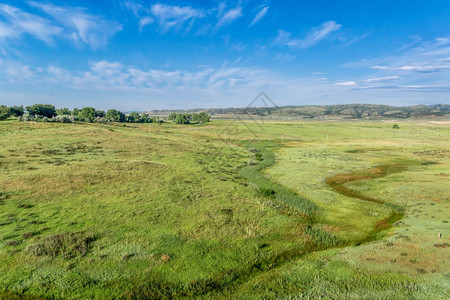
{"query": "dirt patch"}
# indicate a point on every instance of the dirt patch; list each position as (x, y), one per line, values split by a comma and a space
(338, 181)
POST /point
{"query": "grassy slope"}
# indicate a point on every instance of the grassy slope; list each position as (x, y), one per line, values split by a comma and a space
(169, 208)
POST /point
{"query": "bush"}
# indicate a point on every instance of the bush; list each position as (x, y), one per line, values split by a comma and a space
(26, 117)
(63, 119)
(395, 126)
(68, 245)
(266, 192)
(101, 120)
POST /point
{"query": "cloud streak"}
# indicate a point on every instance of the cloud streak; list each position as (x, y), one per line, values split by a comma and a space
(262, 12)
(174, 17)
(314, 35)
(417, 68)
(229, 16)
(346, 83)
(380, 79)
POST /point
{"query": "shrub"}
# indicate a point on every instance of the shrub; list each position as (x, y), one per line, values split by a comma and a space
(101, 120)
(68, 245)
(266, 192)
(26, 117)
(395, 126)
(63, 119)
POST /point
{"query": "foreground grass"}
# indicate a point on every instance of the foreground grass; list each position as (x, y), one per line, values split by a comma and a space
(128, 211)
(103, 211)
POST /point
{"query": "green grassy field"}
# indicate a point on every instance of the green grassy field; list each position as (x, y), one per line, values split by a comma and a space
(229, 209)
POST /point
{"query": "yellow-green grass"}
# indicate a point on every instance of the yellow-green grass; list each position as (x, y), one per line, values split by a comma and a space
(160, 210)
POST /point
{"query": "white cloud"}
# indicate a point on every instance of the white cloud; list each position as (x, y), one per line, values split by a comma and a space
(174, 17)
(145, 21)
(262, 12)
(7, 31)
(345, 83)
(417, 68)
(229, 16)
(379, 79)
(133, 6)
(314, 36)
(20, 22)
(283, 37)
(80, 26)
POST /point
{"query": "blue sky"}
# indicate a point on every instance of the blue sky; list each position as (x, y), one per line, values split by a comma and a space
(143, 55)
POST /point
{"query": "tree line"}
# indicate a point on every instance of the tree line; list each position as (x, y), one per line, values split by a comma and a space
(48, 113)
(199, 118)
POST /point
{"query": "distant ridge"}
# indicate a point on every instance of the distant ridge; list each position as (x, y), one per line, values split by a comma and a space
(345, 111)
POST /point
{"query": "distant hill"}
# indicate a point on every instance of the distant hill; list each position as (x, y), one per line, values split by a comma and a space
(346, 111)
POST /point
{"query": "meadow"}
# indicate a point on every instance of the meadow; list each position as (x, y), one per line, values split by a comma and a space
(227, 209)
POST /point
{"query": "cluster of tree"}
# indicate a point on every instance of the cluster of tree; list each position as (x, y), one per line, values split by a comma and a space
(47, 112)
(199, 118)
(13, 111)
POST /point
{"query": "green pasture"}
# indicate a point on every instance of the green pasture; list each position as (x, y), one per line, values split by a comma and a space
(229, 209)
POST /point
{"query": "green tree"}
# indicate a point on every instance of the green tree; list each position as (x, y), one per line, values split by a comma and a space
(87, 114)
(45, 110)
(145, 118)
(172, 117)
(16, 111)
(114, 115)
(133, 117)
(100, 113)
(75, 112)
(63, 112)
(4, 112)
(182, 119)
(201, 118)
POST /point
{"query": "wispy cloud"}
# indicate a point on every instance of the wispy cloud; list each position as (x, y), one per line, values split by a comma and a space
(227, 17)
(174, 17)
(379, 79)
(19, 23)
(133, 7)
(80, 26)
(346, 83)
(262, 12)
(314, 35)
(416, 68)
(144, 21)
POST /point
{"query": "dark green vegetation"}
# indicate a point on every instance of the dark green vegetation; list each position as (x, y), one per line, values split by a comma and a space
(48, 113)
(348, 111)
(199, 118)
(107, 211)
